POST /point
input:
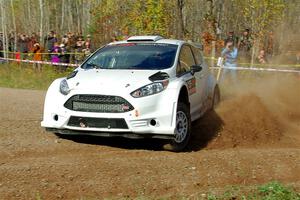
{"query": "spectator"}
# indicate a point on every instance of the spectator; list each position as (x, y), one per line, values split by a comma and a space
(269, 44)
(70, 47)
(23, 46)
(261, 58)
(1, 46)
(65, 48)
(65, 40)
(55, 53)
(88, 42)
(11, 42)
(86, 51)
(49, 42)
(63, 57)
(79, 56)
(37, 56)
(232, 37)
(218, 30)
(32, 41)
(245, 44)
(230, 54)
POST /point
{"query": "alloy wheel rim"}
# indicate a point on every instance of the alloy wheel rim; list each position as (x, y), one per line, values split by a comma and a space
(181, 126)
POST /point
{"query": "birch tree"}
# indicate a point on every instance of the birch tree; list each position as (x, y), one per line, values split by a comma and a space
(14, 24)
(4, 28)
(41, 20)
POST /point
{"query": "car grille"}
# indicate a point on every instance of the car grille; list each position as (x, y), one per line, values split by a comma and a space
(98, 103)
(89, 122)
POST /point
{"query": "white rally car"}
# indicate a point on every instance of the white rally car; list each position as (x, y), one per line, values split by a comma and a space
(146, 86)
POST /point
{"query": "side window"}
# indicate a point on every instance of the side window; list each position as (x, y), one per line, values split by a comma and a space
(185, 61)
(197, 55)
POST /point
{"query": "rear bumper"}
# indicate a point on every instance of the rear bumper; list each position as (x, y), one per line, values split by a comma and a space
(109, 134)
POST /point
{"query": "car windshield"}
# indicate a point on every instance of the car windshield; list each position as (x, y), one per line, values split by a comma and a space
(139, 56)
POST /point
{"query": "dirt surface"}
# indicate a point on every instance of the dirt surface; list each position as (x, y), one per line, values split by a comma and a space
(252, 138)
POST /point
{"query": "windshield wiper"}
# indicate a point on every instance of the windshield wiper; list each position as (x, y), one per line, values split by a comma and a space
(93, 65)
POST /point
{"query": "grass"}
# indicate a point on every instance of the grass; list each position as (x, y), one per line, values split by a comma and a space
(269, 191)
(24, 76)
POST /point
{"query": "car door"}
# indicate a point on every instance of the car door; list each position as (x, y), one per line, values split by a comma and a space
(183, 70)
(202, 76)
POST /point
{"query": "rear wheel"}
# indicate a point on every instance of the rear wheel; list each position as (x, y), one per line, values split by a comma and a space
(182, 130)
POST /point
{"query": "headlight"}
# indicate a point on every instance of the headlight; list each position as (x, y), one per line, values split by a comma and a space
(64, 87)
(150, 89)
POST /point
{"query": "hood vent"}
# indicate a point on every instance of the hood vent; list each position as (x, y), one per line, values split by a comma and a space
(159, 76)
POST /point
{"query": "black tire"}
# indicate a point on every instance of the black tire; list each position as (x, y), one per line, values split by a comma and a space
(58, 135)
(216, 98)
(183, 129)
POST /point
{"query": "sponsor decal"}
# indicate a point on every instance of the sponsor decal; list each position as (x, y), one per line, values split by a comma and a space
(191, 85)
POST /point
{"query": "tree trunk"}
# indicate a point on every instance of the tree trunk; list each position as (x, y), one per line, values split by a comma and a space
(41, 20)
(78, 17)
(62, 16)
(3, 27)
(14, 24)
(180, 4)
(71, 21)
(29, 22)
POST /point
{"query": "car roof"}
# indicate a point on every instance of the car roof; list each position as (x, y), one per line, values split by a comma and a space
(157, 39)
(148, 39)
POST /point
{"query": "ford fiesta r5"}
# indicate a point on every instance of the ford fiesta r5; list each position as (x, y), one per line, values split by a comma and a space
(146, 86)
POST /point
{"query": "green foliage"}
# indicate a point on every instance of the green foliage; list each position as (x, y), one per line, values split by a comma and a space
(260, 15)
(269, 191)
(138, 17)
(149, 17)
(276, 191)
(115, 17)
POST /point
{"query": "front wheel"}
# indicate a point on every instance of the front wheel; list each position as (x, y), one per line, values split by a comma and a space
(182, 130)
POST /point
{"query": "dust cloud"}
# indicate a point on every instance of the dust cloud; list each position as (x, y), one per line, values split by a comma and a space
(264, 110)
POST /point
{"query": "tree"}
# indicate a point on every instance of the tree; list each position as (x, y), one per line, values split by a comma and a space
(41, 20)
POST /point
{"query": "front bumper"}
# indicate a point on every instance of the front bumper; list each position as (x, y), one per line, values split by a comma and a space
(152, 115)
(110, 134)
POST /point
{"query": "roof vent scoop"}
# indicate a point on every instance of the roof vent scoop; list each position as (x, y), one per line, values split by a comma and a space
(148, 38)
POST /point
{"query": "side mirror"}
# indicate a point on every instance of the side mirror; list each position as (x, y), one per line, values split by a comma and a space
(195, 68)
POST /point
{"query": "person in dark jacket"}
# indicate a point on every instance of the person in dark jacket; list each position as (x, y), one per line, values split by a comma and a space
(49, 42)
(63, 57)
(231, 37)
(23, 46)
(245, 44)
(1, 47)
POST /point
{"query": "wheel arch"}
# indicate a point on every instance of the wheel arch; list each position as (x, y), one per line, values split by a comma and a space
(183, 96)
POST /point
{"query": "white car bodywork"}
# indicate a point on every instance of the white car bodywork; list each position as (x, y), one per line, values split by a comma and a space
(153, 115)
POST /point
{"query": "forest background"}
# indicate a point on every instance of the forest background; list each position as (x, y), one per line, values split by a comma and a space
(203, 21)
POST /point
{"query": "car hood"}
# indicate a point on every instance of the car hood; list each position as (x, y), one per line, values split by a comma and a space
(110, 81)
